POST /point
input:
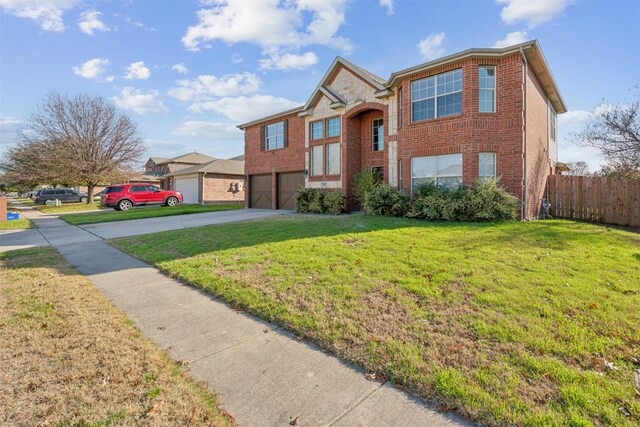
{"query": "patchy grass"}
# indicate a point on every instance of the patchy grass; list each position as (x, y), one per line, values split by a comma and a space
(68, 207)
(145, 212)
(69, 357)
(24, 200)
(506, 323)
(16, 224)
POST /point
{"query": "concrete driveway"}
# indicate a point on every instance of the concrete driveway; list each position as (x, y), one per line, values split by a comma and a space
(135, 227)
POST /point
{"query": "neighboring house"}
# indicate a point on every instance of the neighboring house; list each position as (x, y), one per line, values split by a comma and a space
(215, 181)
(472, 115)
(160, 167)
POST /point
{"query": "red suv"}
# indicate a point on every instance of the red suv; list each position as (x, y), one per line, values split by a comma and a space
(123, 197)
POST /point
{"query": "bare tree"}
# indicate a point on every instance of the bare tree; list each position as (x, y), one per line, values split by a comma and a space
(80, 140)
(615, 131)
(579, 168)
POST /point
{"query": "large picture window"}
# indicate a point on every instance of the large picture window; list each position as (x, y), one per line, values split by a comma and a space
(333, 159)
(378, 135)
(316, 160)
(445, 171)
(333, 127)
(486, 166)
(437, 96)
(274, 136)
(487, 89)
(316, 130)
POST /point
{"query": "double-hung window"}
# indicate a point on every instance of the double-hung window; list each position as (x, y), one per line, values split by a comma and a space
(486, 166)
(333, 127)
(437, 96)
(316, 160)
(316, 130)
(378, 135)
(487, 89)
(445, 171)
(274, 136)
(333, 159)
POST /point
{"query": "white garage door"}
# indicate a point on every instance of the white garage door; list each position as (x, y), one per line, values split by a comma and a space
(189, 189)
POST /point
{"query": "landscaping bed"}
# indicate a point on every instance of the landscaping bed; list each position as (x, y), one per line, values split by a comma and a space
(526, 323)
(110, 215)
(69, 357)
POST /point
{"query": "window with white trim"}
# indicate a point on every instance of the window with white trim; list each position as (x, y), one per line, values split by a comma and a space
(316, 130)
(333, 127)
(487, 89)
(437, 96)
(316, 160)
(333, 159)
(486, 166)
(445, 171)
(274, 136)
(377, 134)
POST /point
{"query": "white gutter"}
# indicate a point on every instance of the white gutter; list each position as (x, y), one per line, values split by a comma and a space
(523, 214)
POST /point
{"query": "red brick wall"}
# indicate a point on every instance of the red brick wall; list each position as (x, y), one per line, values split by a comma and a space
(538, 165)
(288, 159)
(217, 188)
(471, 132)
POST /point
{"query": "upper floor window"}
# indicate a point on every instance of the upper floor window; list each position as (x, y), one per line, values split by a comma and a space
(400, 111)
(378, 135)
(553, 123)
(333, 127)
(316, 130)
(274, 136)
(437, 96)
(487, 89)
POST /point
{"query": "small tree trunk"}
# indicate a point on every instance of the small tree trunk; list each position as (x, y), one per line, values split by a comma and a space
(90, 194)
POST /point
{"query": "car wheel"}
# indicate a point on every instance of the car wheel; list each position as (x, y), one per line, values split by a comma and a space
(83, 200)
(124, 205)
(172, 201)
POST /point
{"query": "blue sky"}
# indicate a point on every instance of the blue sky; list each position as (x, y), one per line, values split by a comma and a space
(188, 72)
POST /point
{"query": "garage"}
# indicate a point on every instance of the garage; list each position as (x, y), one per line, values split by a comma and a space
(260, 187)
(188, 186)
(288, 185)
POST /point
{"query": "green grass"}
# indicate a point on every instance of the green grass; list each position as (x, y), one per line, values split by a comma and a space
(16, 224)
(506, 323)
(138, 213)
(25, 200)
(68, 207)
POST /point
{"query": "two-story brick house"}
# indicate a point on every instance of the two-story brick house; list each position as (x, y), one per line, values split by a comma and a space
(471, 115)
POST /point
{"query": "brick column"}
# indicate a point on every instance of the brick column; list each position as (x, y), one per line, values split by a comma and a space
(3, 209)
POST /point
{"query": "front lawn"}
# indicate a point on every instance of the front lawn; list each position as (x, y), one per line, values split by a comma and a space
(138, 213)
(16, 224)
(506, 323)
(69, 357)
(67, 207)
(24, 200)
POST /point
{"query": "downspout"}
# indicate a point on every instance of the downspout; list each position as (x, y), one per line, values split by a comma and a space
(523, 214)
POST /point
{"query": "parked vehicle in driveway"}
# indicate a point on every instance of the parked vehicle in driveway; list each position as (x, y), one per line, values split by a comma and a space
(65, 195)
(123, 197)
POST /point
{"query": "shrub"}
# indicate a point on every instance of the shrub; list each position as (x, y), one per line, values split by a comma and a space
(385, 200)
(315, 200)
(363, 182)
(492, 202)
(428, 202)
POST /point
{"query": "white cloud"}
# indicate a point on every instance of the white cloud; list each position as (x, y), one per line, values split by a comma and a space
(243, 108)
(137, 71)
(208, 86)
(236, 58)
(9, 130)
(180, 68)
(516, 37)
(531, 12)
(431, 47)
(90, 22)
(140, 101)
(109, 79)
(574, 118)
(274, 25)
(48, 14)
(289, 61)
(92, 69)
(212, 130)
(387, 4)
(138, 24)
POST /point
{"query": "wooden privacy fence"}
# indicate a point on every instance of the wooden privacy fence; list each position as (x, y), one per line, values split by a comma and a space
(599, 199)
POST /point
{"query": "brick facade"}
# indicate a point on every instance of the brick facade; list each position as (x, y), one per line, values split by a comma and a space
(358, 99)
(3, 209)
(221, 188)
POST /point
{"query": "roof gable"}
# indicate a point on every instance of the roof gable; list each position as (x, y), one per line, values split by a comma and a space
(193, 158)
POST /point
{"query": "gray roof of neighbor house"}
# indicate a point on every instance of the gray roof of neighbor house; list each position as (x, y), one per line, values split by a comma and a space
(240, 157)
(530, 49)
(219, 166)
(157, 160)
(193, 158)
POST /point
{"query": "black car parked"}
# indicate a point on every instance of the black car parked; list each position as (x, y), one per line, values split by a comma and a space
(62, 194)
